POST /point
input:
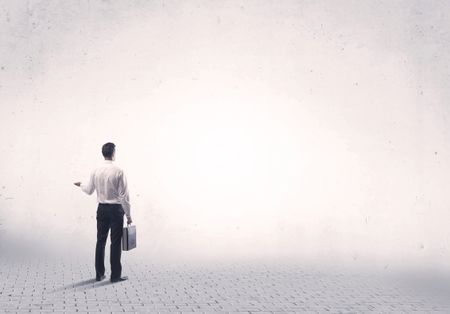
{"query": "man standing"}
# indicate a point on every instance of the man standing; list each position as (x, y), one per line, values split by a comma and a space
(112, 194)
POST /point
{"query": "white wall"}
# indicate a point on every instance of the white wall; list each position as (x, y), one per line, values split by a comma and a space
(315, 129)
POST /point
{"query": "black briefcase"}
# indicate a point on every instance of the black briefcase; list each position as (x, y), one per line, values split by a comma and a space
(129, 238)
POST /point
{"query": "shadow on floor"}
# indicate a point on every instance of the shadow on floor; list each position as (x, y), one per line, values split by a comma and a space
(82, 285)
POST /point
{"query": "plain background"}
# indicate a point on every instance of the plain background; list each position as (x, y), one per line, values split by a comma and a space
(247, 129)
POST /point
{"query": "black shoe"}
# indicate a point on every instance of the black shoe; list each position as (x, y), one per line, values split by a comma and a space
(119, 279)
(100, 278)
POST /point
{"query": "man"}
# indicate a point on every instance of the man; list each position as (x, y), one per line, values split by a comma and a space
(112, 194)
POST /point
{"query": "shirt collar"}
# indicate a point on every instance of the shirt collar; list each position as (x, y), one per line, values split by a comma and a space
(108, 161)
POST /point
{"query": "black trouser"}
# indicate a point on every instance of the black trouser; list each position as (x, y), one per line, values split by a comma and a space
(109, 216)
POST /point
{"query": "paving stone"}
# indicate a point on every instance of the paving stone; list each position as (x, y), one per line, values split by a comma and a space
(65, 286)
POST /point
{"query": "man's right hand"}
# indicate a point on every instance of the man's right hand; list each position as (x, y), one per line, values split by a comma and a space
(129, 221)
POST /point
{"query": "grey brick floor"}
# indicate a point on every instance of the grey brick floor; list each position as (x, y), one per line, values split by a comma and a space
(67, 285)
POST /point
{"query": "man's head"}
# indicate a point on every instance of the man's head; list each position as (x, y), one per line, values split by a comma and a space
(108, 151)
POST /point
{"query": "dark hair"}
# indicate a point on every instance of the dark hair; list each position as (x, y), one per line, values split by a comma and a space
(108, 150)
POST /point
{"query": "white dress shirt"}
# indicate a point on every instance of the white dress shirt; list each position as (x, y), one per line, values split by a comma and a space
(111, 185)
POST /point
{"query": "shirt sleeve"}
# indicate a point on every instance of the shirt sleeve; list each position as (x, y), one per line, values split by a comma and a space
(124, 195)
(89, 188)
